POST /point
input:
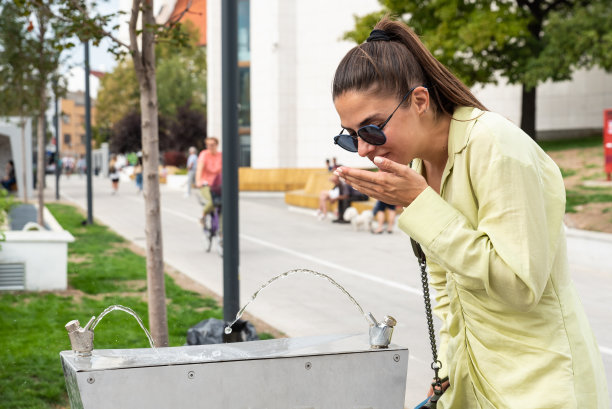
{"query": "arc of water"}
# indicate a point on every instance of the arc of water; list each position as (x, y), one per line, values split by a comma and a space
(228, 329)
(129, 311)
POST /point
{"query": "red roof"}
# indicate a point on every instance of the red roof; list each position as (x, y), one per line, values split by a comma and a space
(98, 74)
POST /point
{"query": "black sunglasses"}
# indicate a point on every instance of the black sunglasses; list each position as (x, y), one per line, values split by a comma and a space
(371, 134)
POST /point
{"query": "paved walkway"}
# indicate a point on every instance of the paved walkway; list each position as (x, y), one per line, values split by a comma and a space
(379, 271)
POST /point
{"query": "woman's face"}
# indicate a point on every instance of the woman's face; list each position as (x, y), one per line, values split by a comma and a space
(357, 109)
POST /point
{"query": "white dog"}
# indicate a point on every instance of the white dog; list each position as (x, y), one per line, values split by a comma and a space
(359, 221)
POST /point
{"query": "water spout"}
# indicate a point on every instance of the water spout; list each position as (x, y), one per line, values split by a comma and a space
(81, 339)
(228, 329)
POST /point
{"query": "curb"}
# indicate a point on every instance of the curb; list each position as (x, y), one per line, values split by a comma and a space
(589, 235)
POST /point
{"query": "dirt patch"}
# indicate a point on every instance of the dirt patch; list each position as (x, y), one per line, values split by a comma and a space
(579, 166)
(591, 216)
(77, 259)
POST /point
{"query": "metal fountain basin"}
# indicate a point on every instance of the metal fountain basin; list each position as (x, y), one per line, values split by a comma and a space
(331, 371)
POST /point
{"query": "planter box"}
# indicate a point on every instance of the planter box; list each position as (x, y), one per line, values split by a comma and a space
(35, 260)
(177, 182)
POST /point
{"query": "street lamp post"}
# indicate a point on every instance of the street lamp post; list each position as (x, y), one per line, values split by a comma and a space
(58, 169)
(229, 84)
(88, 137)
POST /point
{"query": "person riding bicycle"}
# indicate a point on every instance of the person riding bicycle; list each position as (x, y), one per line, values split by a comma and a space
(208, 173)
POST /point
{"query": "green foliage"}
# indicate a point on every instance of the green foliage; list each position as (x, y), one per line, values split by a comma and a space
(525, 42)
(118, 94)
(580, 37)
(6, 203)
(181, 92)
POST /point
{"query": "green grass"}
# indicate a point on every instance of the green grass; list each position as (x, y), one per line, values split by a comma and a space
(32, 324)
(567, 172)
(583, 195)
(587, 142)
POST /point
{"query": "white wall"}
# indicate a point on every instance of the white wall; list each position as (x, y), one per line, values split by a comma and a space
(295, 48)
(213, 69)
(44, 253)
(10, 127)
(561, 108)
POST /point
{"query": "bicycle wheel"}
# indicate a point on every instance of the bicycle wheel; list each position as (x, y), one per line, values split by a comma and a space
(209, 231)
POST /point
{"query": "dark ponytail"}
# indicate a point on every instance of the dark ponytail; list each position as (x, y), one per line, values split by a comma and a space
(395, 66)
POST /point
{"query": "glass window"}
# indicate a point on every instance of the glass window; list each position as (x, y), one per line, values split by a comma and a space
(67, 139)
(244, 96)
(244, 28)
(245, 151)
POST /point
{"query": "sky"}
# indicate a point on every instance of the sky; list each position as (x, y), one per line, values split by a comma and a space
(99, 58)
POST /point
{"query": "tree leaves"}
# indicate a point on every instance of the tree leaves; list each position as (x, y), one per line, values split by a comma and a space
(525, 42)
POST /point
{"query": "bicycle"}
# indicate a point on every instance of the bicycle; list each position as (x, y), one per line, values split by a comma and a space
(212, 224)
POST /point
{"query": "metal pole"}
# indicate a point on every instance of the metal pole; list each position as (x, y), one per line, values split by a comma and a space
(88, 137)
(229, 84)
(57, 147)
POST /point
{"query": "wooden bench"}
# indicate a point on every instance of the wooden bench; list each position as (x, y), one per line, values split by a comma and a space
(309, 196)
(274, 180)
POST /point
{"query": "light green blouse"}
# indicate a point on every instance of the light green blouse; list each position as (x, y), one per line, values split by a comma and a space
(515, 334)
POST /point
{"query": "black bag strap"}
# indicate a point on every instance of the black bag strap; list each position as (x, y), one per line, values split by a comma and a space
(436, 364)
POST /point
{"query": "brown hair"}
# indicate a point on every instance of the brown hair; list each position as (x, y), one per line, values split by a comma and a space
(396, 66)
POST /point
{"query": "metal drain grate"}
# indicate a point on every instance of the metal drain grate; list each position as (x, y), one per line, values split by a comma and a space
(12, 276)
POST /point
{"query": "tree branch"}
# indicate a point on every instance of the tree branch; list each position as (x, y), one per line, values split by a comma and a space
(41, 5)
(172, 23)
(136, 57)
(108, 34)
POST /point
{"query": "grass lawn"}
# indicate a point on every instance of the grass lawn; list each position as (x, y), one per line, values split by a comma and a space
(588, 206)
(101, 271)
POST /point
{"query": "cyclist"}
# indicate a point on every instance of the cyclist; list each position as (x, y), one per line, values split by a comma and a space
(208, 173)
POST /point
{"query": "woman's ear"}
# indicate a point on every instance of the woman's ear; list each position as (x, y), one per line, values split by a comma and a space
(420, 98)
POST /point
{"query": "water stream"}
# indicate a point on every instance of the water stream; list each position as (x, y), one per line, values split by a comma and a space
(228, 329)
(127, 310)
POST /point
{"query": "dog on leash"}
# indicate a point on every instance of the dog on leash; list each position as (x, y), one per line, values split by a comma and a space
(359, 221)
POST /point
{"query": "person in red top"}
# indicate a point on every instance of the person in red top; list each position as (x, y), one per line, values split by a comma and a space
(208, 171)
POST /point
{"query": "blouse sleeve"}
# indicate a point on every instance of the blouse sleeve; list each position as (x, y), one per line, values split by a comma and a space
(509, 252)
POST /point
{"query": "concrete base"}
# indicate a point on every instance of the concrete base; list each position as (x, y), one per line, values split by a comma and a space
(43, 255)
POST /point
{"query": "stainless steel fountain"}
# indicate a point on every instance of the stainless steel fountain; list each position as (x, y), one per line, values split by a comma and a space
(335, 371)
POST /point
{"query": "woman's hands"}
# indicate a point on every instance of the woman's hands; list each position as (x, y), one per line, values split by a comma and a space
(395, 184)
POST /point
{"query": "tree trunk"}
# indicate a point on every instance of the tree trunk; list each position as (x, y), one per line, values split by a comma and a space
(24, 167)
(145, 69)
(528, 112)
(40, 162)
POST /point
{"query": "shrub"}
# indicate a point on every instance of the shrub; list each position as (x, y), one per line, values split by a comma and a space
(175, 158)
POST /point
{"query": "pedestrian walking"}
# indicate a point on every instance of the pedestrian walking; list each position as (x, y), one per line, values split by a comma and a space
(138, 174)
(486, 205)
(113, 174)
(192, 165)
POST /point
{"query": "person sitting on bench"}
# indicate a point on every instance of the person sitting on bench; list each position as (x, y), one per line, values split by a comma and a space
(9, 181)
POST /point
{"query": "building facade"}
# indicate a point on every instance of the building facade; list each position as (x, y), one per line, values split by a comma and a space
(72, 124)
(294, 49)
